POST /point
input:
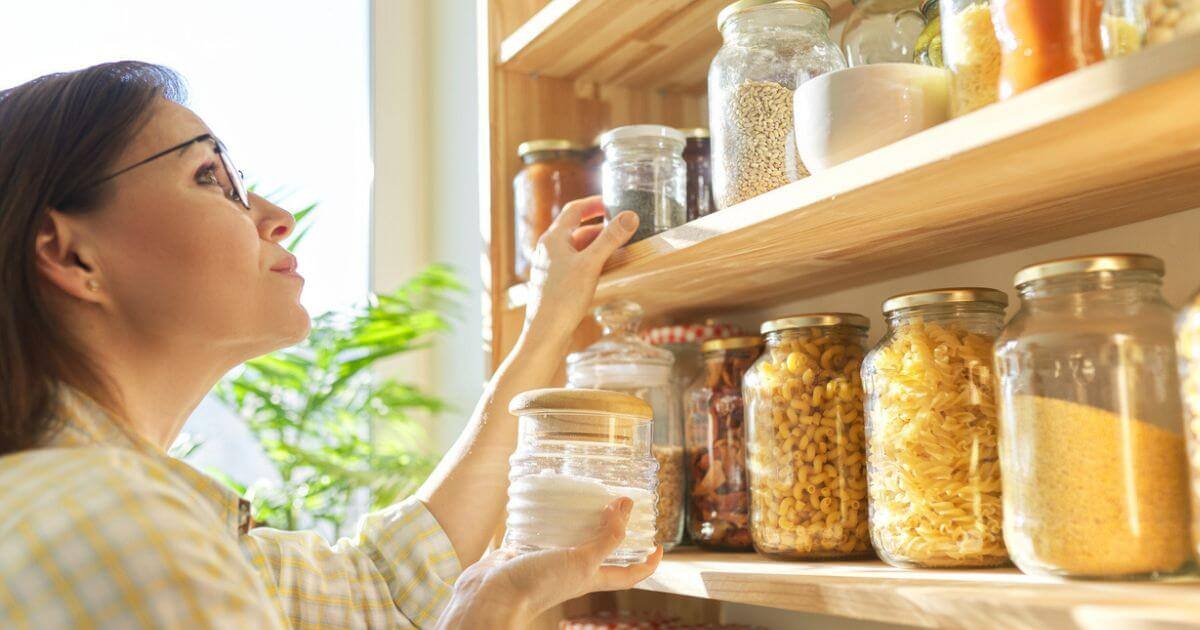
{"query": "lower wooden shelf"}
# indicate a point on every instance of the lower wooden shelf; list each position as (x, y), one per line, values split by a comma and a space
(871, 590)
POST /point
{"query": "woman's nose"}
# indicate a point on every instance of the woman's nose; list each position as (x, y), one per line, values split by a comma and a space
(274, 223)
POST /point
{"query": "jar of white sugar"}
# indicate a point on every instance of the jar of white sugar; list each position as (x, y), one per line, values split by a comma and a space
(579, 450)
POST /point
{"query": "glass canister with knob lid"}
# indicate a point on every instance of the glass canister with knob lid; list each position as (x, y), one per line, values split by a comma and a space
(1092, 447)
(933, 468)
(577, 451)
(882, 31)
(620, 361)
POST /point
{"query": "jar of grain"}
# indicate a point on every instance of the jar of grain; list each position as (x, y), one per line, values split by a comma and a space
(577, 451)
(929, 42)
(1041, 40)
(933, 467)
(971, 53)
(553, 174)
(805, 450)
(620, 361)
(644, 172)
(882, 31)
(714, 430)
(1171, 19)
(1188, 346)
(1095, 473)
(770, 47)
(697, 154)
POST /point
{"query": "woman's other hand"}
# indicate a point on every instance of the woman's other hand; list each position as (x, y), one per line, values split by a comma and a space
(567, 264)
(504, 590)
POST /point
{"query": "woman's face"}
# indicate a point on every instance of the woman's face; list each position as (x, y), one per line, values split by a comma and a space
(182, 262)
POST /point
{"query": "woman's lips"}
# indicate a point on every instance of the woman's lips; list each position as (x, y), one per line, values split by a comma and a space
(287, 266)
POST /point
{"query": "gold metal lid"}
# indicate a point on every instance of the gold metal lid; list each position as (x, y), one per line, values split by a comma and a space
(694, 132)
(814, 320)
(731, 343)
(746, 5)
(548, 144)
(944, 296)
(563, 400)
(1089, 264)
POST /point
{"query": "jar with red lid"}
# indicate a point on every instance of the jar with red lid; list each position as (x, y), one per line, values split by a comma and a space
(554, 173)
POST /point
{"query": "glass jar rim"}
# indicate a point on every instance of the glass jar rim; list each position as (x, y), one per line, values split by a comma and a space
(731, 343)
(546, 144)
(949, 295)
(1093, 263)
(745, 5)
(695, 133)
(601, 403)
(816, 320)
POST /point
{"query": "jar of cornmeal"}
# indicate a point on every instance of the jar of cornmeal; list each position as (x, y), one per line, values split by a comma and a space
(579, 450)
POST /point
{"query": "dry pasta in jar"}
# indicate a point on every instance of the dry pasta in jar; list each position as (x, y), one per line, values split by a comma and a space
(1188, 346)
(806, 443)
(933, 468)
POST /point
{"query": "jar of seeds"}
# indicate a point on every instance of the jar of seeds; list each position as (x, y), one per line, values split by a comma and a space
(770, 47)
(644, 172)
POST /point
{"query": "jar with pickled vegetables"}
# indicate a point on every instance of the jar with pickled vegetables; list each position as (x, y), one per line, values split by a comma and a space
(715, 442)
(933, 467)
(1188, 347)
(929, 42)
(806, 440)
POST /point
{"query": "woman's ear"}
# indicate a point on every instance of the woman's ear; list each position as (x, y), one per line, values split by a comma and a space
(62, 259)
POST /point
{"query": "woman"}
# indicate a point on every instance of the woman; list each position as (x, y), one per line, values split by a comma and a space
(135, 270)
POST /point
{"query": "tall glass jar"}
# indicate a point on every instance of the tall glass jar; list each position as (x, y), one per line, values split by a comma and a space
(971, 53)
(697, 154)
(1092, 448)
(644, 172)
(1188, 346)
(1044, 39)
(714, 427)
(577, 451)
(770, 47)
(683, 341)
(1123, 30)
(882, 31)
(933, 467)
(620, 361)
(805, 451)
(554, 173)
(929, 43)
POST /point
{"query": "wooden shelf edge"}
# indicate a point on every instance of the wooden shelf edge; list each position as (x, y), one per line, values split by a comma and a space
(871, 590)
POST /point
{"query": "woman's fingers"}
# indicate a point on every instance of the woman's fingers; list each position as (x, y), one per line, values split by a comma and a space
(614, 235)
(620, 578)
(575, 213)
(583, 236)
(611, 534)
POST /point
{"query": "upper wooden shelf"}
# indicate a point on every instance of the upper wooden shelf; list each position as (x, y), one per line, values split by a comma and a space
(1112, 144)
(988, 598)
(658, 44)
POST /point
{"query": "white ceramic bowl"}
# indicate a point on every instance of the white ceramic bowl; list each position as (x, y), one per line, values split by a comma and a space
(844, 114)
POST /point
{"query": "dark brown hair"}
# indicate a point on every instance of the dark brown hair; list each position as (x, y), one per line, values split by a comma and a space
(59, 135)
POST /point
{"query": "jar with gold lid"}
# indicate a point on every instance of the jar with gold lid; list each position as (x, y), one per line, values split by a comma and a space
(553, 173)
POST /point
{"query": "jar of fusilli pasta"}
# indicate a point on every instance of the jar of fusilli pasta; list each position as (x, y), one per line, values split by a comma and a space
(933, 467)
(805, 449)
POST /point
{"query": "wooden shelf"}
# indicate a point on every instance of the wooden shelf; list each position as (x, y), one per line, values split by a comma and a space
(664, 44)
(990, 598)
(1115, 143)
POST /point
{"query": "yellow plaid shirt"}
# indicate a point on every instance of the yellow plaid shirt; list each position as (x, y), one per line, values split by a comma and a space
(101, 529)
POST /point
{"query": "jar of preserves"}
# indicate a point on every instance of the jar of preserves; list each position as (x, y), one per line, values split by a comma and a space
(933, 469)
(697, 154)
(1095, 474)
(770, 47)
(577, 451)
(714, 432)
(1171, 19)
(1188, 346)
(1044, 39)
(1123, 29)
(805, 449)
(683, 341)
(929, 42)
(620, 361)
(971, 53)
(882, 31)
(644, 172)
(553, 174)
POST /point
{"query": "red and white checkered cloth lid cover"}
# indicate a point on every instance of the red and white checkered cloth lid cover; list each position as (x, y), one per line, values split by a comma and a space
(689, 333)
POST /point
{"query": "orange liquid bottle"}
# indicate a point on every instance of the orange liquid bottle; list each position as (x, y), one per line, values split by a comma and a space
(1044, 39)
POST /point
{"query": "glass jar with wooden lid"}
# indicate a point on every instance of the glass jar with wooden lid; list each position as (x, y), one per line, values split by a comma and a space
(933, 465)
(554, 172)
(577, 451)
(806, 439)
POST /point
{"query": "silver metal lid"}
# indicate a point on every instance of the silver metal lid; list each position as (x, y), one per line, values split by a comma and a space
(1089, 264)
(746, 5)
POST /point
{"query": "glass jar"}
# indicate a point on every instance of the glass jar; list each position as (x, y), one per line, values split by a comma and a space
(1123, 29)
(714, 427)
(770, 47)
(805, 438)
(595, 166)
(933, 467)
(1171, 19)
(929, 42)
(683, 341)
(1044, 39)
(577, 451)
(971, 53)
(554, 173)
(697, 154)
(1188, 346)
(1092, 448)
(644, 172)
(620, 361)
(882, 31)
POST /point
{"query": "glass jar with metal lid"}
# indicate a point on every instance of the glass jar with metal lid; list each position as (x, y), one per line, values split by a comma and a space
(805, 438)
(577, 451)
(620, 361)
(933, 465)
(697, 154)
(644, 171)
(770, 47)
(882, 31)
(714, 427)
(553, 173)
(1095, 473)
(1188, 347)
(929, 42)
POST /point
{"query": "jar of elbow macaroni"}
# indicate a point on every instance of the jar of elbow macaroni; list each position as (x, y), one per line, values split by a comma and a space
(805, 450)
(933, 466)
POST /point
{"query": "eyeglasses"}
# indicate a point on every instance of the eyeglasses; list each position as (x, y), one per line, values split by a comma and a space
(237, 186)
